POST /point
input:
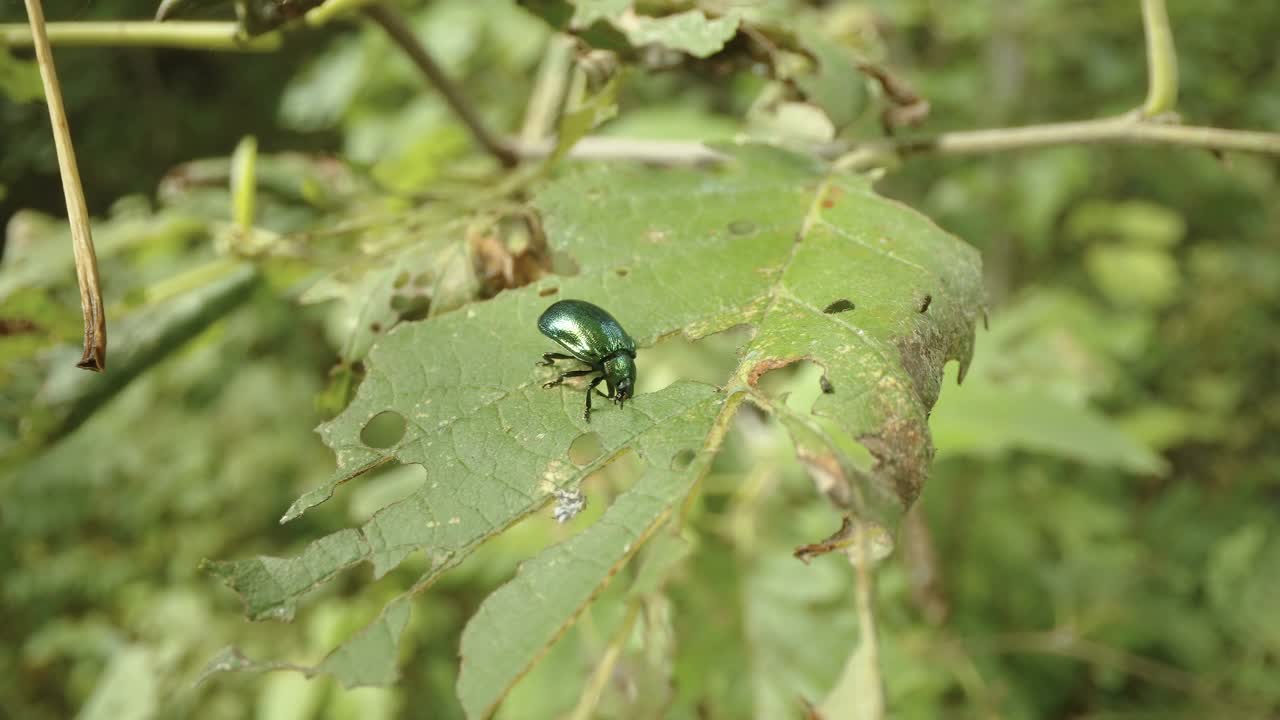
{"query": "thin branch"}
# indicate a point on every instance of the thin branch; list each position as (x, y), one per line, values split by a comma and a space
(659, 152)
(1108, 131)
(1162, 61)
(188, 35)
(1067, 645)
(548, 90)
(859, 693)
(1123, 130)
(95, 320)
(594, 690)
(394, 25)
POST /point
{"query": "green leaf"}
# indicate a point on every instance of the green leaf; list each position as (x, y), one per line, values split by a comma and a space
(368, 658)
(244, 183)
(587, 12)
(19, 80)
(986, 419)
(419, 276)
(576, 123)
(1134, 276)
(1137, 223)
(836, 85)
(689, 32)
(38, 247)
(857, 695)
(819, 265)
(128, 691)
(516, 623)
(68, 396)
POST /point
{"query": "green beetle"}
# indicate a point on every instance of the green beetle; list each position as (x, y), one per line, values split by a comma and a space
(593, 336)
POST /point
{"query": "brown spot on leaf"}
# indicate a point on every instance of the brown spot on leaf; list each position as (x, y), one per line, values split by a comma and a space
(832, 196)
(765, 366)
(903, 455)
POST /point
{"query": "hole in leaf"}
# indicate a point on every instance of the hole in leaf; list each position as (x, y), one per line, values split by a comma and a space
(401, 280)
(742, 227)
(384, 485)
(838, 306)
(585, 448)
(682, 459)
(622, 272)
(564, 264)
(383, 430)
(414, 308)
(548, 292)
(707, 360)
(798, 383)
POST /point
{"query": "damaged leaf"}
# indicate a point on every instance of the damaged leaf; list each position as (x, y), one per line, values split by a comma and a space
(768, 242)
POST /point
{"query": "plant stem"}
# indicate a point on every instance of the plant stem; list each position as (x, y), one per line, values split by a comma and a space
(1106, 131)
(1064, 643)
(188, 35)
(660, 152)
(394, 25)
(1123, 130)
(869, 643)
(594, 690)
(95, 320)
(548, 90)
(1162, 60)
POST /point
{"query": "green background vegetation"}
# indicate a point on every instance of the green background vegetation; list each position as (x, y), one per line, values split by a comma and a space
(1097, 537)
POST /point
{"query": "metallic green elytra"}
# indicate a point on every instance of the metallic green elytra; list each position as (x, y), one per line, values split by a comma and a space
(592, 336)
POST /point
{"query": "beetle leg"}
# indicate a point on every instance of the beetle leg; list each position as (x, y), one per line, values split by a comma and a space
(549, 359)
(587, 414)
(571, 373)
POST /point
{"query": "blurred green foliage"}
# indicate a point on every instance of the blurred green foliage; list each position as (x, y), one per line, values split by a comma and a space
(1101, 537)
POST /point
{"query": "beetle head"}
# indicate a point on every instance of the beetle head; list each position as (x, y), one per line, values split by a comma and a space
(620, 374)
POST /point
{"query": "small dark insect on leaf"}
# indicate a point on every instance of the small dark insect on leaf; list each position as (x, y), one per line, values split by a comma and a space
(826, 385)
(593, 337)
(924, 304)
(838, 306)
